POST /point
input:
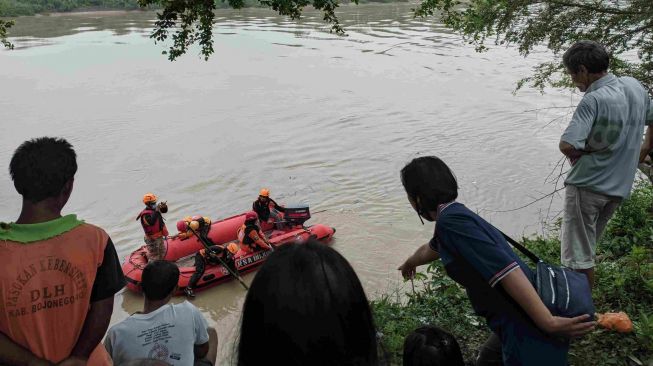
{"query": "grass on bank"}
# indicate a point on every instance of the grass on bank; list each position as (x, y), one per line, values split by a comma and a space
(624, 283)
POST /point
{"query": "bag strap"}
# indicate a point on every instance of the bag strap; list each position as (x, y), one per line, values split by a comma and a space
(521, 248)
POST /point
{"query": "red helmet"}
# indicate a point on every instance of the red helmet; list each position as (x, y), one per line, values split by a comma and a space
(182, 226)
(251, 215)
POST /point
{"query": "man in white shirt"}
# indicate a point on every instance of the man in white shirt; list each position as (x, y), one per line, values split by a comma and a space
(174, 333)
(603, 143)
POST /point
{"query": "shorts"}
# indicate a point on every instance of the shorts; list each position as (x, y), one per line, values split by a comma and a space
(156, 248)
(585, 217)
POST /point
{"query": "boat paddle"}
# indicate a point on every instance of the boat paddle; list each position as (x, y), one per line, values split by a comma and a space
(234, 274)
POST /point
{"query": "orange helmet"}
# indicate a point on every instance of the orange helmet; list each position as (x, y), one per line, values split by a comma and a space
(194, 225)
(149, 198)
(264, 192)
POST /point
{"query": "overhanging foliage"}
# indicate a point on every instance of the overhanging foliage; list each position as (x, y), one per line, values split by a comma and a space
(624, 27)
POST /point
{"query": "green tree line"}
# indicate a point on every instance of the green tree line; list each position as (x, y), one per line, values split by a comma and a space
(12, 8)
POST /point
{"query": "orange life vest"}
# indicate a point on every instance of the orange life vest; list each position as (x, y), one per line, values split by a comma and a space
(247, 244)
(46, 286)
(155, 229)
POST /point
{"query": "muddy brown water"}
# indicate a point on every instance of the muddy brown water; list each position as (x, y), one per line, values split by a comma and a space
(317, 118)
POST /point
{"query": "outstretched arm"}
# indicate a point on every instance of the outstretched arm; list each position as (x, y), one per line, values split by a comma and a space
(260, 241)
(277, 207)
(423, 255)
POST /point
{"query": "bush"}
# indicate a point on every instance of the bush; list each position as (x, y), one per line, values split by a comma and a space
(440, 301)
(632, 224)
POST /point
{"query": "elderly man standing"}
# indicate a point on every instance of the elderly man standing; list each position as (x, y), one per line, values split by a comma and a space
(603, 142)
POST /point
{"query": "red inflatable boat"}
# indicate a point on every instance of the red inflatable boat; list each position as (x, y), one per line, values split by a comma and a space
(222, 232)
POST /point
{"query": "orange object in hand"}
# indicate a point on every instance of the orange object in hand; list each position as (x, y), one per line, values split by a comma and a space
(615, 321)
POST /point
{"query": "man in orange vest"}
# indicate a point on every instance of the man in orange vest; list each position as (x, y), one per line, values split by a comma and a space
(250, 236)
(266, 208)
(154, 227)
(59, 274)
(214, 256)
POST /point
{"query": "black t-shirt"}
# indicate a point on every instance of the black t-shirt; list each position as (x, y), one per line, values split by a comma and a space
(109, 278)
(263, 209)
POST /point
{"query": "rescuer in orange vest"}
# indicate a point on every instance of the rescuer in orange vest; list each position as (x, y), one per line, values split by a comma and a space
(154, 226)
(266, 208)
(250, 236)
(212, 254)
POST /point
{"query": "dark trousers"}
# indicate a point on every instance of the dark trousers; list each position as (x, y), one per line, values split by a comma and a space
(199, 270)
(490, 353)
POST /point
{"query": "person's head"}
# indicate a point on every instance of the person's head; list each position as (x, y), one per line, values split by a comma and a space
(44, 169)
(182, 226)
(149, 199)
(306, 306)
(264, 195)
(159, 280)
(428, 182)
(586, 62)
(251, 218)
(431, 346)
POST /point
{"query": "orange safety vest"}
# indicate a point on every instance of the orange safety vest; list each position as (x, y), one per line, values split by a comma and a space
(247, 244)
(45, 287)
(155, 229)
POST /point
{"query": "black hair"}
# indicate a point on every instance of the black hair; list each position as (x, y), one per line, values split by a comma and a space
(159, 279)
(41, 167)
(430, 180)
(431, 346)
(590, 54)
(306, 306)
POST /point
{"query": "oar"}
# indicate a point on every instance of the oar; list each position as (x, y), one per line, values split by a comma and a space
(235, 275)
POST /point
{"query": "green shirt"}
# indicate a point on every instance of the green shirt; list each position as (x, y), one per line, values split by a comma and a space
(609, 124)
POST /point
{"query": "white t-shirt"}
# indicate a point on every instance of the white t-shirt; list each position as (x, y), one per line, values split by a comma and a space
(168, 334)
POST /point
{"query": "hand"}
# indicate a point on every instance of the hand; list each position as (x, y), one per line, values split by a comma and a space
(73, 361)
(570, 327)
(408, 269)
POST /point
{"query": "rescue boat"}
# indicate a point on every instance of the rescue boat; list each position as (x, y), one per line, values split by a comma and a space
(223, 232)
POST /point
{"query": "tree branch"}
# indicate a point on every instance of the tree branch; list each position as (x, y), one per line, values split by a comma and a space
(4, 26)
(594, 7)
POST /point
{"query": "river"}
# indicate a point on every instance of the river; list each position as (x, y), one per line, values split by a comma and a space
(317, 118)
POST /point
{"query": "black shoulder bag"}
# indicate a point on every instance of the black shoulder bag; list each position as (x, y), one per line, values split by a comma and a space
(565, 292)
